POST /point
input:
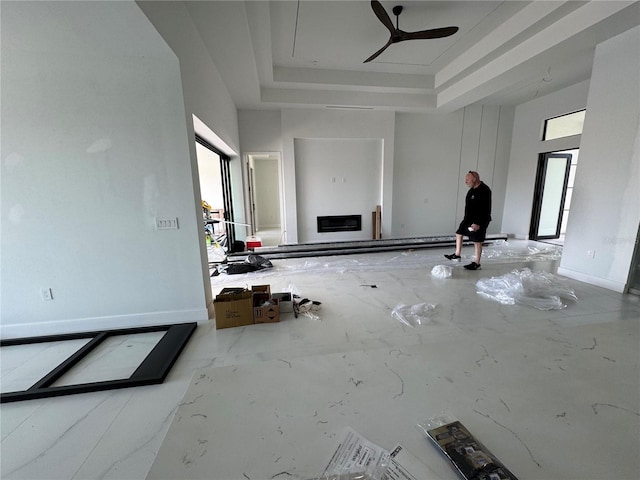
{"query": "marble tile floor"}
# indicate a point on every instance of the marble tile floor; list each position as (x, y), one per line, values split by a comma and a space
(576, 368)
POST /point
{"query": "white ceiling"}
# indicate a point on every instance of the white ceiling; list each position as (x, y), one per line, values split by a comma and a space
(307, 53)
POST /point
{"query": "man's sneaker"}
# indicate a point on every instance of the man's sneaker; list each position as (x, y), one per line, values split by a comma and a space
(453, 256)
(472, 266)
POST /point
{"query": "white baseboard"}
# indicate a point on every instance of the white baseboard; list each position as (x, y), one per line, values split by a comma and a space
(597, 281)
(61, 327)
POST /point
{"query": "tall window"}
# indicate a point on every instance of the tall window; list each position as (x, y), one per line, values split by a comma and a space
(564, 125)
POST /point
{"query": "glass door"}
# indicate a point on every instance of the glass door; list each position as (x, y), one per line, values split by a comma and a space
(216, 187)
(550, 195)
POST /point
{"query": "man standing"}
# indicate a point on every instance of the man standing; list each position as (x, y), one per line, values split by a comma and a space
(477, 215)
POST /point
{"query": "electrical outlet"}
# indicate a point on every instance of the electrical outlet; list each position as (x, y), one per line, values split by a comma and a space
(46, 294)
(591, 253)
(167, 223)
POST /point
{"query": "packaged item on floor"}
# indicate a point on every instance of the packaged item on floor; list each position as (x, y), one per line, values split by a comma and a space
(233, 307)
(471, 459)
(357, 458)
(285, 300)
(404, 465)
(266, 309)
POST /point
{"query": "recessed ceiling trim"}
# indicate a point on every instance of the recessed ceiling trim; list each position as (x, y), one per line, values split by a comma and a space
(515, 25)
(345, 107)
(572, 24)
(319, 76)
(359, 99)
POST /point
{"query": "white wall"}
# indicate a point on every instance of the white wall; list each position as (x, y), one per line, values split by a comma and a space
(335, 124)
(424, 160)
(434, 153)
(605, 208)
(94, 149)
(206, 97)
(526, 146)
(260, 132)
(337, 177)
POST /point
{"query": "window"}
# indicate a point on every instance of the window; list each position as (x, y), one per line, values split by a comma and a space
(564, 125)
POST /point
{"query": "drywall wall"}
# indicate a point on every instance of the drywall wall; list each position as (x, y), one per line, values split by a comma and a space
(434, 153)
(260, 131)
(94, 150)
(206, 97)
(336, 177)
(605, 208)
(424, 161)
(527, 145)
(333, 124)
(205, 94)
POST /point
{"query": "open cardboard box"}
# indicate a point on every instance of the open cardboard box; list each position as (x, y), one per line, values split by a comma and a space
(266, 309)
(236, 307)
(233, 307)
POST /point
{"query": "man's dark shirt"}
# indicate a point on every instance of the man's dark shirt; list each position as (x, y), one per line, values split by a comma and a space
(477, 207)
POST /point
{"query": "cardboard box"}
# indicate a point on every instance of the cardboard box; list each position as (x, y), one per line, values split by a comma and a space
(285, 301)
(265, 308)
(233, 307)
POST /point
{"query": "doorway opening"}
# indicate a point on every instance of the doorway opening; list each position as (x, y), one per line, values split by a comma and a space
(552, 196)
(217, 206)
(264, 171)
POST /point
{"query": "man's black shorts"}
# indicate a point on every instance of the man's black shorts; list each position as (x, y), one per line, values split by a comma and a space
(477, 236)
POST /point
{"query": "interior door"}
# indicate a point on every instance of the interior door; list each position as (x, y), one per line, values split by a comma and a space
(550, 192)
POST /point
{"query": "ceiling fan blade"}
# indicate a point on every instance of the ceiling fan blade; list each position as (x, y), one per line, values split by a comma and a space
(426, 34)
(382, 15)
(379, 51)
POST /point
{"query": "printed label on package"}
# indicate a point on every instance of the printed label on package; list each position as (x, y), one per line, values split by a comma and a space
(404, 465)
(355, 454)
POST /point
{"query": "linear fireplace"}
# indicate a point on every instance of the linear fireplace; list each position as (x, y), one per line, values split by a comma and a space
(339, 223)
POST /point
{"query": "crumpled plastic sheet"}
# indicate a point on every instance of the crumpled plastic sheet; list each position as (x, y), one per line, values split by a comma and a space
(541, 290)
(552, 252)
(500, 252)
(441, 271)
(413, 315)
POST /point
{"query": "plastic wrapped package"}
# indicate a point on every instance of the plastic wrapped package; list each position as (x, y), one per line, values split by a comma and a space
(471, 459)
(413, 315)
(346, 476)
(356, 458)
(303, 306)
(541, 290)
(441, 271)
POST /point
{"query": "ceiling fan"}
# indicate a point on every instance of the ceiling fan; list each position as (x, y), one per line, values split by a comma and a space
(398, 35)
